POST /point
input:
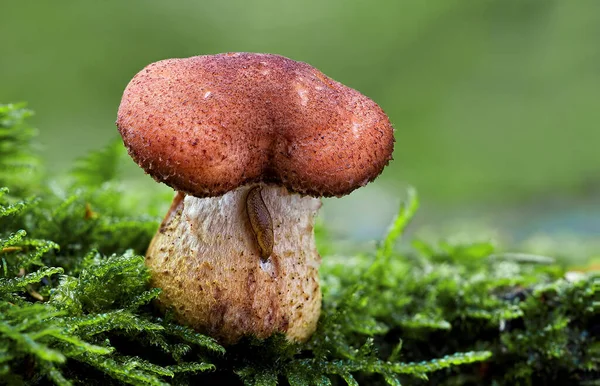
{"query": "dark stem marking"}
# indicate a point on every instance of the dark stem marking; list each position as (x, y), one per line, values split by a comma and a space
(261, 222)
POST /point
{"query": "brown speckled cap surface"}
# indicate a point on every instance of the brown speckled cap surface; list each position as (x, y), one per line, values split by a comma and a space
(208, 124)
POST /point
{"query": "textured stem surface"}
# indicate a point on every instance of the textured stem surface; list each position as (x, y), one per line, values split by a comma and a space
(207, 262)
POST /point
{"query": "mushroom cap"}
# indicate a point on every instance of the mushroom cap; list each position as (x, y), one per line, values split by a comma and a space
(207, 124)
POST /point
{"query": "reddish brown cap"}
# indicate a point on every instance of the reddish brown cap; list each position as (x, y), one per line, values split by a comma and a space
(208, 124)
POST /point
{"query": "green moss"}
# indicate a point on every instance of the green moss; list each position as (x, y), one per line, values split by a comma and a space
(75, 305)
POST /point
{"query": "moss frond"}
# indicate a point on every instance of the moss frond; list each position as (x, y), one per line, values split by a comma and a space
(99, 166)
(18, 161)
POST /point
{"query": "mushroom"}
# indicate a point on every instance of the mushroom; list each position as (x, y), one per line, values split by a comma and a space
(250, 142)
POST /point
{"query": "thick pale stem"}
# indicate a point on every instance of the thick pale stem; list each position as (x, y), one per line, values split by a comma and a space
(206, 259)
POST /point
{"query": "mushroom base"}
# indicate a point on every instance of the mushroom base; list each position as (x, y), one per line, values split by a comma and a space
(206, 260)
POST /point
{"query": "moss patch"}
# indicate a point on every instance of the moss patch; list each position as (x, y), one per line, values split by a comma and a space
(75, 305)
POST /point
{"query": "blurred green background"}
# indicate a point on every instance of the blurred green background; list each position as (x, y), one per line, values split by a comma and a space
(495, 102)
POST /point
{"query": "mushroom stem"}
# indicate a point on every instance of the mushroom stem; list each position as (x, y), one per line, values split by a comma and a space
(215, 279)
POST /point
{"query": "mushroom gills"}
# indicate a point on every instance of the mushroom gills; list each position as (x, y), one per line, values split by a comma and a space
(260, 221)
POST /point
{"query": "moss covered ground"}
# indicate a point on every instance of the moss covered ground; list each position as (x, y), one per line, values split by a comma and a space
(76, 307)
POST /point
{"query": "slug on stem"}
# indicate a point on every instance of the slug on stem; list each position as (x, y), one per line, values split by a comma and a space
(260, 220)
